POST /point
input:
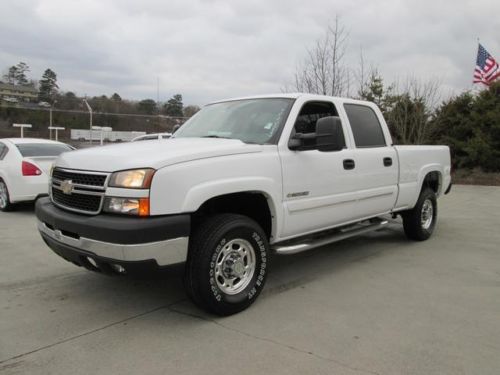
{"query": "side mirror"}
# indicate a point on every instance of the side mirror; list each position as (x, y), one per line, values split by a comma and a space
(329, 134)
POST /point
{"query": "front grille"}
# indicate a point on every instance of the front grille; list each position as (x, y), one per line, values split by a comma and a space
(75, 201)
(79, 178)
(79, 191)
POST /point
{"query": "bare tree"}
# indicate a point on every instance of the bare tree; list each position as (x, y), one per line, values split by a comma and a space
(322, 71)
(410, 110)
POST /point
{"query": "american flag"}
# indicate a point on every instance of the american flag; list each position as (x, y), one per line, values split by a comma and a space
(487, 69)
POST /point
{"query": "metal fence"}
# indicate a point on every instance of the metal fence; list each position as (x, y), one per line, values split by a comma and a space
(39, 118)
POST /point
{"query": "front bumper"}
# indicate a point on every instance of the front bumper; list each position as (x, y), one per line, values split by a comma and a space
(110, 240)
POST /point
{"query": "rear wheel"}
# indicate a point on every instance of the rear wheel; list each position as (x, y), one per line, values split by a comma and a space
(227, 264)
(5, 204)
(419, 222)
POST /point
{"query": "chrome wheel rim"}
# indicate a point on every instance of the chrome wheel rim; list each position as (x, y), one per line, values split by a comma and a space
(427, 214)
(235, 266)
(3, 195)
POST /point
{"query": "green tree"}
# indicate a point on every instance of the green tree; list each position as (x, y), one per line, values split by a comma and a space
(147, 106)
(16, 75)
(470, 125)
(48, 86)
(21, 70)
(68, 100)
(117, 101)
(375, 91)
(10, 76)
(174, 106)
(116, 98)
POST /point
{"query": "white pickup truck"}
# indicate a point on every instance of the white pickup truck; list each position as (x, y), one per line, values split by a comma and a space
(240, 180)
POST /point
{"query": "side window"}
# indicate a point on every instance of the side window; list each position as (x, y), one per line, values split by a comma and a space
(365, 126)
(3, 151)
(312, 112)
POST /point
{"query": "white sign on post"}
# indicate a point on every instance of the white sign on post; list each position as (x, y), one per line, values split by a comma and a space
(22, 126)
(56, 128)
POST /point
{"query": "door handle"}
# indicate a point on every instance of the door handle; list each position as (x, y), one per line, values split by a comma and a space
(349, 164)
(387, 162)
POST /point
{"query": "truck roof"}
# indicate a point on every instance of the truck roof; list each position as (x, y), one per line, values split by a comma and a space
(294, 95)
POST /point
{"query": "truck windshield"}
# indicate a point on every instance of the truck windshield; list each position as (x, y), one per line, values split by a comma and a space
(250, 120)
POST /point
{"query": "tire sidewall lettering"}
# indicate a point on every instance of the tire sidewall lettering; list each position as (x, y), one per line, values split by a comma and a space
(259, 276)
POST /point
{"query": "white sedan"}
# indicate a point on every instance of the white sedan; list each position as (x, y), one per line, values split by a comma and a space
(25, 165)
(154, 136)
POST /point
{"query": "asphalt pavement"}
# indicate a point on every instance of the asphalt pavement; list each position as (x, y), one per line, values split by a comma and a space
(374, 304)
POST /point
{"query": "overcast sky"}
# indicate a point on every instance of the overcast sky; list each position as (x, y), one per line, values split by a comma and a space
(209, 49)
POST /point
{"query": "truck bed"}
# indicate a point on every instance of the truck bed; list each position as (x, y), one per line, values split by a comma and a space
(414, 164)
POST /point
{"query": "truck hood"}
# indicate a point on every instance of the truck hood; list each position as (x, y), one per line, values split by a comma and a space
(152, 154)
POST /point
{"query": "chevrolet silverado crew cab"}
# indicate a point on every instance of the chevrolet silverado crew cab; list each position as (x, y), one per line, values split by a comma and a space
(240, 180)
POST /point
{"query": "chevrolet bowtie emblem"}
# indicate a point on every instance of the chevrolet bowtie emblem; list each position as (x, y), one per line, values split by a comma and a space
(67, 187)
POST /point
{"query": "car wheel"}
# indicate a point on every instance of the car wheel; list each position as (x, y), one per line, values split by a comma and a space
(227, 264)
(5, 204)
(419, 222)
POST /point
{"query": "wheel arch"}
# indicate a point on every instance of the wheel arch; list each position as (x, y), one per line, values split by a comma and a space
(433, 179)
(257, 205)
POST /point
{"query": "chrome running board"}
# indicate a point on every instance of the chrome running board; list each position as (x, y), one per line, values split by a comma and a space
(320, 239)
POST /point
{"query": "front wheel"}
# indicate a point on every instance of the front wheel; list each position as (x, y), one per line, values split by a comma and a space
(5, 204)
(227, 264)
(419, 222)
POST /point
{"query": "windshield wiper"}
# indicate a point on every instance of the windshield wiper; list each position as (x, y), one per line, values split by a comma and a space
(215, 136)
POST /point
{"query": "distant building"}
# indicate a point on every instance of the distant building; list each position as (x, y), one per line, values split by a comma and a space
(16, 93)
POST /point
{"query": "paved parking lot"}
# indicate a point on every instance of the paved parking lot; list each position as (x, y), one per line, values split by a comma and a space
(375, 304)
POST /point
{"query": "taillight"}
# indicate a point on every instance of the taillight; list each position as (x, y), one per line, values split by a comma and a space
(30, 169)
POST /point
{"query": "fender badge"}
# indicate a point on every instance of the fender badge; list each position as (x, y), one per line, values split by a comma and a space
(298, 194)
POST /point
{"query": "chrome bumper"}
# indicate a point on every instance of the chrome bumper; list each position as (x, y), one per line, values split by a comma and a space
(166, 252)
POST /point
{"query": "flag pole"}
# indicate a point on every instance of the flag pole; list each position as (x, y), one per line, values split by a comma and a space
(472, 83)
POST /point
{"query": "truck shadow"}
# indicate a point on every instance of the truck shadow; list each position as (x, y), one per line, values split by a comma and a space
(286, 271)
(293, 271)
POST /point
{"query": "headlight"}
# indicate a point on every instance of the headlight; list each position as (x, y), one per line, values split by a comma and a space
(128, 206)
(134, 179)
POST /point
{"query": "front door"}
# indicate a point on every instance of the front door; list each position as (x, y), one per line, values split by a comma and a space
(319, 188)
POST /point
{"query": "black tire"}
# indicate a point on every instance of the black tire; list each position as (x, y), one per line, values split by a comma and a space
(220, 240)
(5, 204)
(419, 226)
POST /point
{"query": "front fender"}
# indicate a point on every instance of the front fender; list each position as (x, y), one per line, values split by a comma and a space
(201, 193)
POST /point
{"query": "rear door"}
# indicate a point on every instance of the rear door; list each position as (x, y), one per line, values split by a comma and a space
(375, 161)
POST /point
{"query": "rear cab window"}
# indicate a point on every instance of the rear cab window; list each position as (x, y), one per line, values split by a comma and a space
(42, 149)
(365, 126)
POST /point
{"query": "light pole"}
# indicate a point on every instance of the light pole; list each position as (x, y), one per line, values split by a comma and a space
(56, 128)
(50, 120)
(90, 111)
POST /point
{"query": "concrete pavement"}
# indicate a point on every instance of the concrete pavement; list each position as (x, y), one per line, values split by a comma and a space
(375, 304)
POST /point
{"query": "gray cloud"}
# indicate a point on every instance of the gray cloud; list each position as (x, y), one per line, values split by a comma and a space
(208, 50)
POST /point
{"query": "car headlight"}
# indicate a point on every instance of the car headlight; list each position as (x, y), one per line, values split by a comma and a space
(132, 179)
(127, 206)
